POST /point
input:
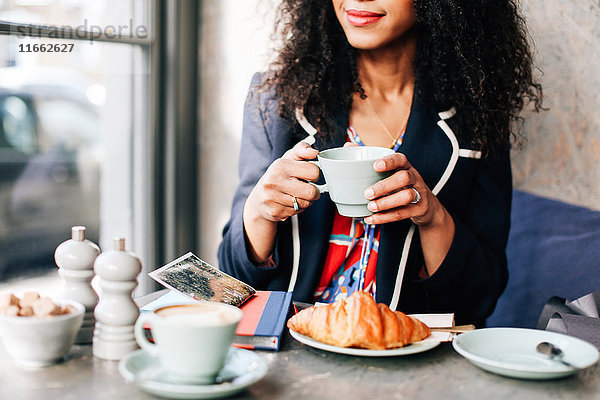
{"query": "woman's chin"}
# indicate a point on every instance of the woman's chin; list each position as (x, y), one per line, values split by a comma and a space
(365, 42)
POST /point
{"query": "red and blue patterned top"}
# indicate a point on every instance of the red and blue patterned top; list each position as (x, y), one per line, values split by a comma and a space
(352, 254)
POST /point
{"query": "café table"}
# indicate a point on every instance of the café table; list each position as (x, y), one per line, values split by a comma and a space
(301, 372)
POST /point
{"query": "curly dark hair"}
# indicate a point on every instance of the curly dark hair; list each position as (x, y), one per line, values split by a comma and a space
(473, 55)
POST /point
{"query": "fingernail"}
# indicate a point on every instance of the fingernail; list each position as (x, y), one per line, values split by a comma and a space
(379, 164)
(368, 220)
(372, 206)
(369, 193)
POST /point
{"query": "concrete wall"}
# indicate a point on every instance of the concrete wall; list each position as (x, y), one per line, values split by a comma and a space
(234, 44)
(562, 156)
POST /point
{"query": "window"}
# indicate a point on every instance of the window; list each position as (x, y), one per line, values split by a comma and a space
(111, 133)
(76, 128)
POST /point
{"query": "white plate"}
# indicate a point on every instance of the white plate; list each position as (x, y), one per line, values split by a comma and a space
(242, 369)
(413, 348)
(511, 352)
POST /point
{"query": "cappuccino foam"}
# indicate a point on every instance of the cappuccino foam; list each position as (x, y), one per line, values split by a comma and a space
(197, 315)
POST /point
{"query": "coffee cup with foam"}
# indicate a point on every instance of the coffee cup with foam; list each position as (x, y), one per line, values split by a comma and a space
(190, 340)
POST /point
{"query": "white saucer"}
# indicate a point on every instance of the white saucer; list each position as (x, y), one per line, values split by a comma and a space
(412, 348)
(511, 352)
(242, 369)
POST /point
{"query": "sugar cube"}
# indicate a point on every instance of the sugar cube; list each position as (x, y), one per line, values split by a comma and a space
(29, 298)
(44, 307)
(8, 299)
(11, 311)
(26, 311)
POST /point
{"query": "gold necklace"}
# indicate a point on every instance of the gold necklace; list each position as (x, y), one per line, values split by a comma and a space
(385, 129)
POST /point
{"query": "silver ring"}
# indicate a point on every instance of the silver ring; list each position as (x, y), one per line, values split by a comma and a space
(417, 196)
(295, 203)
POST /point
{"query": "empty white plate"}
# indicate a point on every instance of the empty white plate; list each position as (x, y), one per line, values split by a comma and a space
(511, 352)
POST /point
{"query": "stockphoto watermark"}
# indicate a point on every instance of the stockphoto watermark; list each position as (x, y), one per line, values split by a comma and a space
(84, 31)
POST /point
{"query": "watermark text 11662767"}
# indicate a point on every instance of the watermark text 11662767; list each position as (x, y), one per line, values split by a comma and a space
(46, 48)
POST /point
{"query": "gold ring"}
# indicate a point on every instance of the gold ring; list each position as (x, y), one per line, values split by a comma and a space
(295, 203)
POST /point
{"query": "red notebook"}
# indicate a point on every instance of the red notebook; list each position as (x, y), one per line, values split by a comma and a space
(264, 319)
(261, 327)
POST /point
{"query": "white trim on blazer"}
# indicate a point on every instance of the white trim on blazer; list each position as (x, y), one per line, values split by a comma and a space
(456, 152)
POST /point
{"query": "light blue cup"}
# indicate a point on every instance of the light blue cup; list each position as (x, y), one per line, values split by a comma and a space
(191, 341)
(348, 171)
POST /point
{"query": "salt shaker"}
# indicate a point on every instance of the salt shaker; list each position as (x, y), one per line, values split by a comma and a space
(116, 311)
(75, 260)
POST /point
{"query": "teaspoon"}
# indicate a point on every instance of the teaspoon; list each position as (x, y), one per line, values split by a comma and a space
(553, 352)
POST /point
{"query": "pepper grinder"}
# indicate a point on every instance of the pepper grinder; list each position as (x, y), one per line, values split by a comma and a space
(116, 311)
(75, 260)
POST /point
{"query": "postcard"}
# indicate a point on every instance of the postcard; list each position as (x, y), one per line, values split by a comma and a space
(196, 279)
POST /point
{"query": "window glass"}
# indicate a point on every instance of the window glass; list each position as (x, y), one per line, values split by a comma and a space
(18, 128)
(67, 126)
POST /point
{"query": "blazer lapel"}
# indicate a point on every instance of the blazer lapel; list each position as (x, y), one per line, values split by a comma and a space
(428, 150)
(315, 223)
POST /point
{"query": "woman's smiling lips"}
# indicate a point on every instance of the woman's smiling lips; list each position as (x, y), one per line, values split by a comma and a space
(362, 18)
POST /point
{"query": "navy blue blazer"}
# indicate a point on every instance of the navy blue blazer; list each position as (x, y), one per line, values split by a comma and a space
(476, 192)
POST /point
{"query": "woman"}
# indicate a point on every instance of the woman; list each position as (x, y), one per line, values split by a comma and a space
(440, 81)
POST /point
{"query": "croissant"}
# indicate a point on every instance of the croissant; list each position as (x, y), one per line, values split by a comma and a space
(359, 321)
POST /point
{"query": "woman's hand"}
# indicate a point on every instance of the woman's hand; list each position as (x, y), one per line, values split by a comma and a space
(273, 196)
(394, 199)
(272, 199)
